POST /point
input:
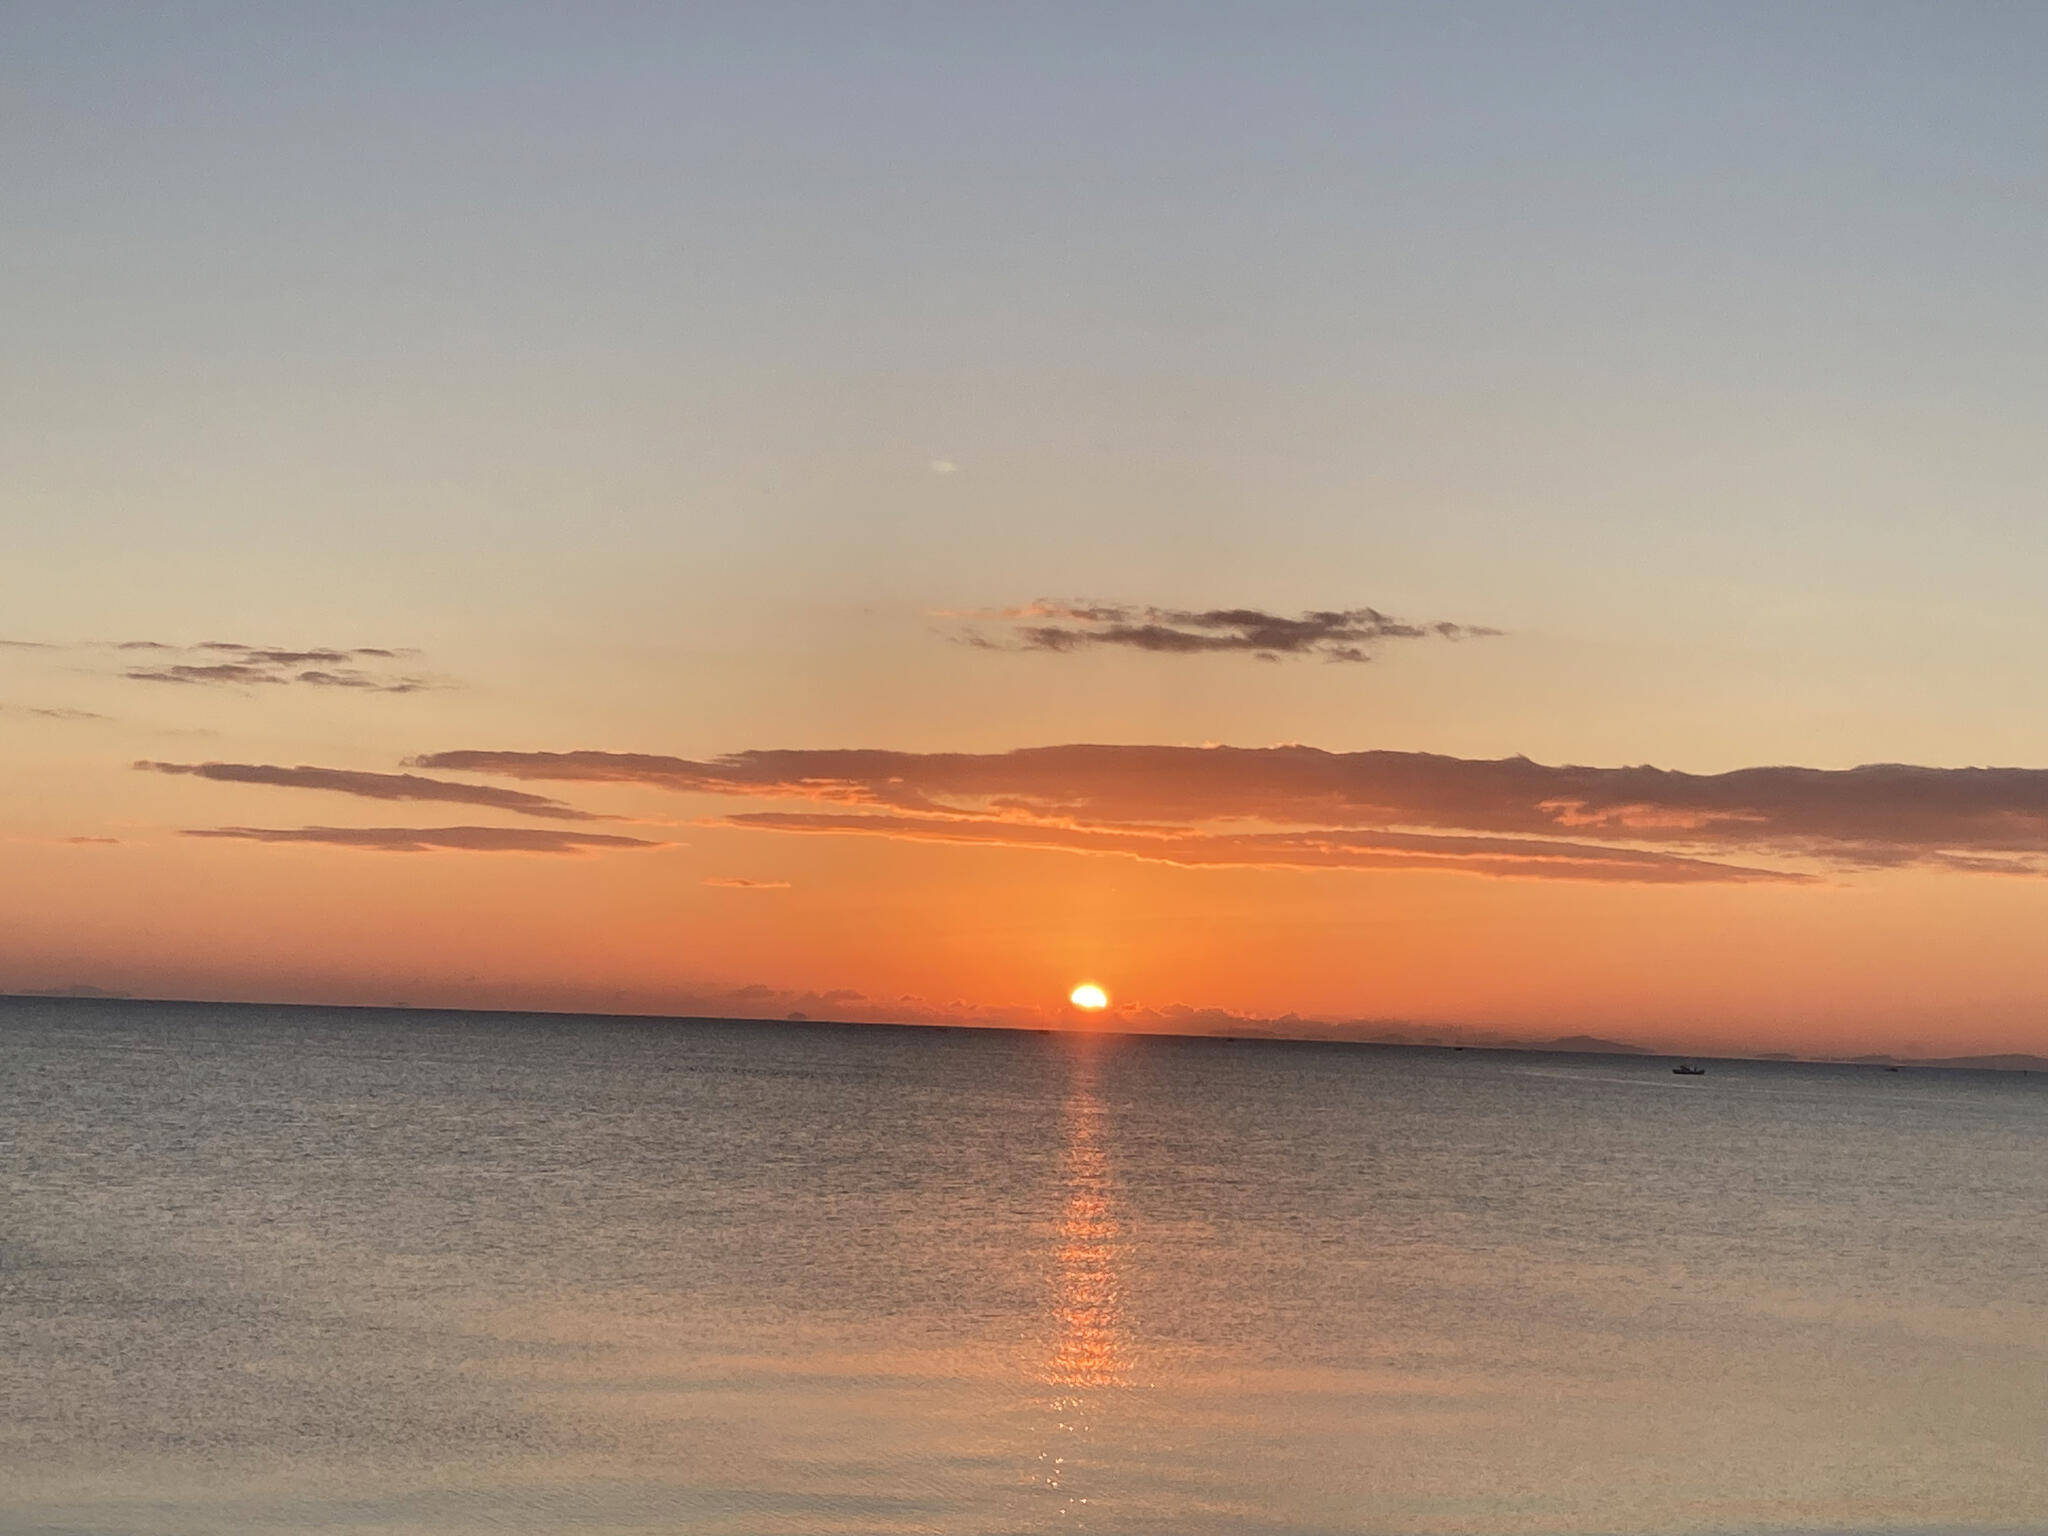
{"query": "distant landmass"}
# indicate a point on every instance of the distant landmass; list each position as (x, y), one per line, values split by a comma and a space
(1401, 1032)
(2010, 1062)
(1592, 1043)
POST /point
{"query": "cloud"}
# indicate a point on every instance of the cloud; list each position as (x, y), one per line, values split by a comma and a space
(1325, 849)
(231, 664)
(428, 839)
(1348, 634)
(1302, 805)
(46, 712)
(219, 672)
(734, 883)
(380, 786)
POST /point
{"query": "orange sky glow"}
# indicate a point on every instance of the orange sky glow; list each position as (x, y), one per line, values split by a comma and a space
(1653, 932)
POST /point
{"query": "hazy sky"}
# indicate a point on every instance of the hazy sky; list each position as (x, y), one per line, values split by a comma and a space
(703, 380)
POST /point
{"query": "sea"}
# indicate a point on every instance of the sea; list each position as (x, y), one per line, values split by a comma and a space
(286, 1269)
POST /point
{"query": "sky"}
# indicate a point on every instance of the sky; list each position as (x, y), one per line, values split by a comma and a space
(1313, 517)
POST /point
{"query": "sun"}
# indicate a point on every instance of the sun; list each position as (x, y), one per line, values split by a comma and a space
(1088, 997)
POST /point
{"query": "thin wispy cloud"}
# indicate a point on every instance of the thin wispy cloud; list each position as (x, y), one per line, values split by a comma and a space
(230, 664)
(50, 712)
(1298, 805)
(234, 664)
(734, 883)
(1322, 849)
(1346, 634)
(433, 839)
(379, 786)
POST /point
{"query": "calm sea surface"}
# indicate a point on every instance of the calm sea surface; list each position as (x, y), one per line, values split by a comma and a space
(355, 1271)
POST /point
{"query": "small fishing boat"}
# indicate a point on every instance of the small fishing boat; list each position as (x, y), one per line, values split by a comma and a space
(1687, 1069)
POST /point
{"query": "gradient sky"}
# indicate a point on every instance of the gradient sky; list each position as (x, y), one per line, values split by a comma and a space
(712, 380)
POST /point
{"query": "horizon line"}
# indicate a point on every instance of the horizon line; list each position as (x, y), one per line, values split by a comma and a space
(2020, 1062)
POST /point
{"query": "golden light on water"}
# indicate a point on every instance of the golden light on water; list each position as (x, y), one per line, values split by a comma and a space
(1088, 996)
(1089, 1364)
(1087, 1279)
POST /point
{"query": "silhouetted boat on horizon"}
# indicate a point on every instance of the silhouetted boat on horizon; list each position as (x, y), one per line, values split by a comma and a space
(1687, 1069)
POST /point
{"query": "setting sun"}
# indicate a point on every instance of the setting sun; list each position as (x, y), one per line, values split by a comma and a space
(1088, 996)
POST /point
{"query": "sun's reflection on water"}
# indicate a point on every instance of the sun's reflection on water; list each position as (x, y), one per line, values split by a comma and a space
(1090, 1356)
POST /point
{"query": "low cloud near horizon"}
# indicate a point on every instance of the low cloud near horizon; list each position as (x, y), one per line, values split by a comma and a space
(431, 839)
(1298, 806)
(380, 786)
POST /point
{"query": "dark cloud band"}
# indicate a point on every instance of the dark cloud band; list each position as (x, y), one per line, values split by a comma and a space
(230, 664)
(1347, 634)
(380, 786)
(432, 839)
(1324, 849)
(1992, 820)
